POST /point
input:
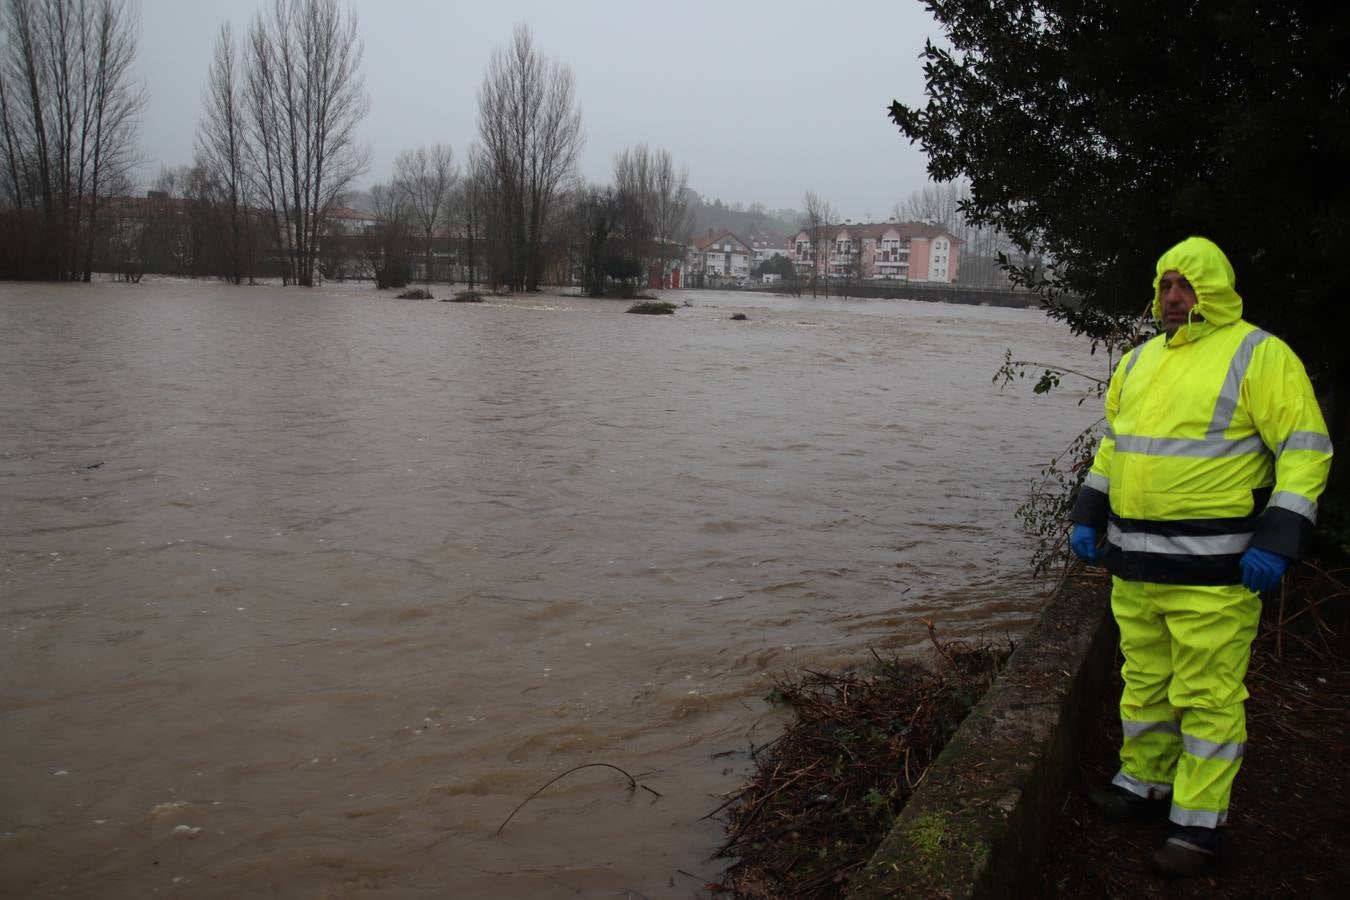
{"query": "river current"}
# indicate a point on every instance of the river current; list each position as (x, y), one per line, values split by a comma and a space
(303, 592)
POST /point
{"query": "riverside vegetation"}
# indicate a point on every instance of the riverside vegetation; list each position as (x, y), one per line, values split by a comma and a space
(826, 791)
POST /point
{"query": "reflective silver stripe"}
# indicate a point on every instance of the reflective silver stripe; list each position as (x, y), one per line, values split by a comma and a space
(1183, 545)
(1149, 789)
(1133, 728)
(1109, 433)
(1231, 393)
(1202, 448)
(1201, 818)
(1132, 359)
(1203, 749)
(1295, 504)
(1306, 440)
(1097, 482)
(1177, 841)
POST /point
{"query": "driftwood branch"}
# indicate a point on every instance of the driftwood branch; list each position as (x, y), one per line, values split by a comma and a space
(632, 786)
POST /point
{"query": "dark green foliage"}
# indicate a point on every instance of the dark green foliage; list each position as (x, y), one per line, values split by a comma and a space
(653, 308)
(775, 265)
(620, 267)
(392, 272)
(1097, 134)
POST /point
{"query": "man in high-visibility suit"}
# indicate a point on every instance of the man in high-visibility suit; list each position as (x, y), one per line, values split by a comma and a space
(1205, 487)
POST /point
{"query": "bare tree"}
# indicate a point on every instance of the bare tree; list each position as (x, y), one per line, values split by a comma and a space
(531, 135)
(68, 119)
(936, 204)
(659, 219)
(632, 189)
(387, 244)
(221, 154)
(470, 207)
(817, 220)
(671, 218)
(598, 217)
(304, 96)
(427, 176)
(167, 239)
(628, 205)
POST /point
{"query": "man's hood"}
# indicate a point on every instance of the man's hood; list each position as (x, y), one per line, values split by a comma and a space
(1203, 264)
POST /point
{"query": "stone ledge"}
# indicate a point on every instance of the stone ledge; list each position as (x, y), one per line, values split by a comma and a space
(977, 825)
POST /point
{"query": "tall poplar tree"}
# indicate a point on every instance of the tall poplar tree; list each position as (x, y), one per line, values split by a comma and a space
(69, 115)
(304, 96)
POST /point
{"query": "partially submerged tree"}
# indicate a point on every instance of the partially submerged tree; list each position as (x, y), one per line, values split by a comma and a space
(597, 217)
(427, 176)
(658, 199)
(530, 130)
(631, 246)
(68, 124)
(472, 201)
(387, 245)
(304, 97)
(221, 155)
(817, 218)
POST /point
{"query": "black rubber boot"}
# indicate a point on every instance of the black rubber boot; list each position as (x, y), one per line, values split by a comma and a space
(1189, 851)
(1116, 804)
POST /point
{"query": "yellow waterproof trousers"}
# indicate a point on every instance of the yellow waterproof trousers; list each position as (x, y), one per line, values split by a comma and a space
(1186, 652)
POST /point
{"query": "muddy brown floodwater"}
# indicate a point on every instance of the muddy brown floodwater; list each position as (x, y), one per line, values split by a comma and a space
(302, 592)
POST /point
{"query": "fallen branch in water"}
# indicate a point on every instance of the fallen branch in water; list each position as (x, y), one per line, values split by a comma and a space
(632, 786)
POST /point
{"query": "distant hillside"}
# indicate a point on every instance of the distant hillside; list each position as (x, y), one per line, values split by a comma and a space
(747, 223)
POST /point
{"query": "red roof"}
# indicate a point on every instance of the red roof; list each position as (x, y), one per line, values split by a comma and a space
(704, 242)
(908, 230)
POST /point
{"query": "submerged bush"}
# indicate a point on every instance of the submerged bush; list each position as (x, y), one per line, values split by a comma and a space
(415, 294)
(465, 297)
(653, 308)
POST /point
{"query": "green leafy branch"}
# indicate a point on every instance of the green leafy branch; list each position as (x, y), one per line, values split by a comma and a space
(1045, 512)
(1050, 377)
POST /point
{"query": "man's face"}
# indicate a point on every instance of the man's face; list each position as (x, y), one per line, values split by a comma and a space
(1177, 298)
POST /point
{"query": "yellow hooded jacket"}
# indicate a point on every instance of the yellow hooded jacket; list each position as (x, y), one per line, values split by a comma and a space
(1214, 441)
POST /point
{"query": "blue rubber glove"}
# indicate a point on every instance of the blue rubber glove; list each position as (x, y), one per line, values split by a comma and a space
(1083, 542)
(1262, 569)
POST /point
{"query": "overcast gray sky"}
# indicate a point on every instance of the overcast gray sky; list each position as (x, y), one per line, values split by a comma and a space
(762, 101)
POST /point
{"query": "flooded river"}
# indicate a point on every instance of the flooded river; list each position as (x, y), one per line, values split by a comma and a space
(303, 592)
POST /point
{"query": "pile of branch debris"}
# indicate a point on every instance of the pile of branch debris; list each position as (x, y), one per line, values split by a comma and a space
(827, 790)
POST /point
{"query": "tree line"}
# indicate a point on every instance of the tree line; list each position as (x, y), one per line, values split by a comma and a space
(519, 208)
(277, 160)
(68, 115)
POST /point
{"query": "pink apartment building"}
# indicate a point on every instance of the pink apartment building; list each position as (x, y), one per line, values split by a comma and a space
(903, 251)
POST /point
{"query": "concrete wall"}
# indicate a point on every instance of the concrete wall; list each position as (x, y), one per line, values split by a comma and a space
(978, 823)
